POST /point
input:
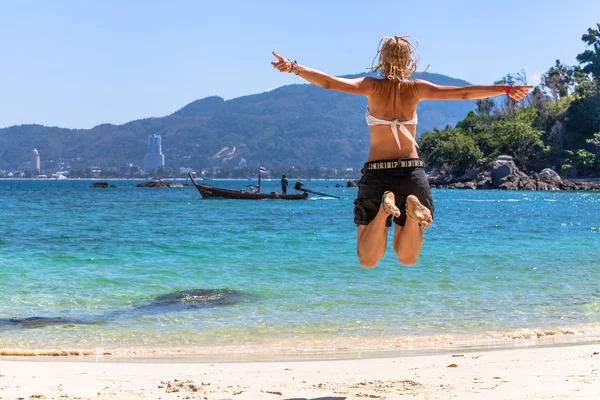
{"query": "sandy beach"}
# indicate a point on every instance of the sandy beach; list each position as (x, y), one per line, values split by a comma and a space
(554, 372)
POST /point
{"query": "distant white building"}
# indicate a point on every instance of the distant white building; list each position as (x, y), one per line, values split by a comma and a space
(154, 158)
(35, 160)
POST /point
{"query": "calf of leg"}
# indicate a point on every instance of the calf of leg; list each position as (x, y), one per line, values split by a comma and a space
(408, 241)
(371, 241)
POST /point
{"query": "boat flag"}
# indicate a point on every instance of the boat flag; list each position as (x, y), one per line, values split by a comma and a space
(262, 169)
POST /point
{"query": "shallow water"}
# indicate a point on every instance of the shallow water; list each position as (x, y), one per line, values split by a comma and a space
(495, 266)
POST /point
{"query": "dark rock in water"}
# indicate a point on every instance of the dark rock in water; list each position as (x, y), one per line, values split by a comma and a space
(170, 302)
(352, 183)
(159, 184)
(37, 322)
(153, 184)
(197, 298)
(101, 185)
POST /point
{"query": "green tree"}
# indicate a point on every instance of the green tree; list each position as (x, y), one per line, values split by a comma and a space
(567, 166)
(508, 79)
(586, 88)
(430, 148)
(461, 152)
(449, 150)
(582, 114)
(478, 128)
(559, 79)
(553, 156)
(583, 160)
(538, 98)
(471, 124)
(518, 138)
(595, 141)
(485, 106)
(582, 119)
(590, 58)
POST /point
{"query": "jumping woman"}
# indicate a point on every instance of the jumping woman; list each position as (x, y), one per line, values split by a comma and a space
(393, 182)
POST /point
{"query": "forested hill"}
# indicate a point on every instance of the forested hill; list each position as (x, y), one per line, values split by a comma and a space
(292, 125)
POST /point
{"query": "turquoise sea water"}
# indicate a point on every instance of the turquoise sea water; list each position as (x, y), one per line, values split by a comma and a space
(282, 276)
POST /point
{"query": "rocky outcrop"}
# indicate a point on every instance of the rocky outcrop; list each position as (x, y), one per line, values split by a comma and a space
(503, 170)
(549, 175)
(504, 175)
(161, 183)
(101, 185)
(568, 185)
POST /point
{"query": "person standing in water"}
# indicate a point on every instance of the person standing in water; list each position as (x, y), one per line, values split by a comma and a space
(393, 182)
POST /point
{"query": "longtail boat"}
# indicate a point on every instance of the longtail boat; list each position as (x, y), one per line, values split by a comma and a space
(210, 191)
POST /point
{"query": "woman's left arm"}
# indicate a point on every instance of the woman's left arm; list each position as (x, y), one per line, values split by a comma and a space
(363, 86)
(430, 91)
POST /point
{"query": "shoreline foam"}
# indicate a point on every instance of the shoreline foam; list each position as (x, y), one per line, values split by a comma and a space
(323, 348)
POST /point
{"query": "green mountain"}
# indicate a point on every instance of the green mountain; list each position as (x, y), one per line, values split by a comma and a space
(292, 125)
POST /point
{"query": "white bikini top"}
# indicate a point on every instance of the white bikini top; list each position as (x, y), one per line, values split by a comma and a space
(394, 125)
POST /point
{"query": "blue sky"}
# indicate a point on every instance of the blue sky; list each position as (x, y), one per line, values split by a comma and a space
(81, 63)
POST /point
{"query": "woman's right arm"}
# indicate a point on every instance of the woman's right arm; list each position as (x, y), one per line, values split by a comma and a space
(431, 91)
(363, 86)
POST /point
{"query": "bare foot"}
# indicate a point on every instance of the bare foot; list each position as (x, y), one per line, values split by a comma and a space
(388, 203)
(417, 211)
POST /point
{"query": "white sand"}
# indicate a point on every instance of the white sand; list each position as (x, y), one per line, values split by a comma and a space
(558, 372)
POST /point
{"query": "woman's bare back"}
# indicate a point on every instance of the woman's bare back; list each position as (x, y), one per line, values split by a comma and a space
(392, 99)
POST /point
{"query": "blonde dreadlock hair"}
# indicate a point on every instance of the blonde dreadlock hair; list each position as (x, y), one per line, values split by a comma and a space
(398, 57)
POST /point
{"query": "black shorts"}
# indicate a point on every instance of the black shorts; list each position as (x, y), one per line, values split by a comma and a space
(402, 181)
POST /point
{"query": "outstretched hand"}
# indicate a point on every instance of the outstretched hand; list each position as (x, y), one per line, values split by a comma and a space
(518, 92)
(282, 64)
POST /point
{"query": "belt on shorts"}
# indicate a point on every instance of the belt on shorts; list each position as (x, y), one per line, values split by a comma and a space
(394, 164)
